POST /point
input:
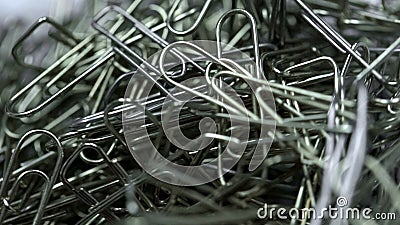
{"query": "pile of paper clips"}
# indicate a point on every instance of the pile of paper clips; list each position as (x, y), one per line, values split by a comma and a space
(332, 66)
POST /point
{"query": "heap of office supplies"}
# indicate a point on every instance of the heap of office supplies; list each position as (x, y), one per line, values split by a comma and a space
(332, 67)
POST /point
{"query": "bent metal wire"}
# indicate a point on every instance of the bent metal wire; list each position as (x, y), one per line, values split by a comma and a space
(332, 67)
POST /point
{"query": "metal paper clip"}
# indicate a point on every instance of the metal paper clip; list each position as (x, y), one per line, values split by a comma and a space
(50, 182)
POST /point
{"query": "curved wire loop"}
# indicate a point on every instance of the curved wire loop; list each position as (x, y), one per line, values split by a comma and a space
(53, 178)
(191, 29)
